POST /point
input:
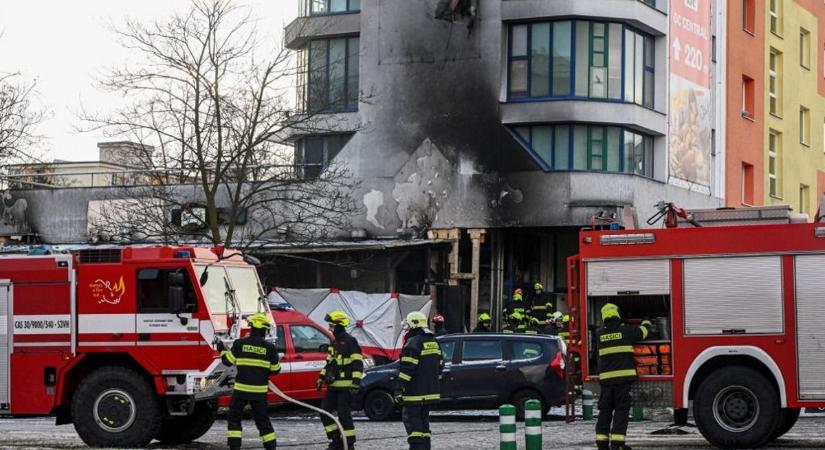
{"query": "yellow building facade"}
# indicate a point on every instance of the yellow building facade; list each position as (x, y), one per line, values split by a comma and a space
(794, 135)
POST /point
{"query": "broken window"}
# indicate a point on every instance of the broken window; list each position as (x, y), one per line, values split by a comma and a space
(314, 153)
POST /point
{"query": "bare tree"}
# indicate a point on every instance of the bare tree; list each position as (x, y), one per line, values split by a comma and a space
(19, 119)
(211, 112)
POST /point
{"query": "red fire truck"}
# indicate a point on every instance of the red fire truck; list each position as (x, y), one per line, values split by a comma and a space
(121, 341)
(738, 314)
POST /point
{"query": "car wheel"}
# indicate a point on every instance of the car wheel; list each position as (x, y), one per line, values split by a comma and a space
(520, 399)
(788, 419)
(379, 405)
(737, 407)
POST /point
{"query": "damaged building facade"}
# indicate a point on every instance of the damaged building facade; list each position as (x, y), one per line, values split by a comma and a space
(499, 128)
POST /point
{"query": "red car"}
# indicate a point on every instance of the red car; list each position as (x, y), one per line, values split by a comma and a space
(302, 348)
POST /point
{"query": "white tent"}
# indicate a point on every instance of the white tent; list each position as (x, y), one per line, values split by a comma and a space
(375, 318)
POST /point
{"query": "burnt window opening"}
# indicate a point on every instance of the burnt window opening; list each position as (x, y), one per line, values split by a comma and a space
(314, 153)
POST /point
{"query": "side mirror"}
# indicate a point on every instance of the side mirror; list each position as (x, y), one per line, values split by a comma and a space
(251, 260)
(204, 277)
(176, 303)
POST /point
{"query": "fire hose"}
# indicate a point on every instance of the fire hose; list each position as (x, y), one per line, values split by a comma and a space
(278, 392)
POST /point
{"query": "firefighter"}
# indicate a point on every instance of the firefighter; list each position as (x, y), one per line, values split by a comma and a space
(438, 325)
(617, 372)
(256, 360)
(516, 304)
(513, 323)
(533, 325)
(484, 322)
(552, 324)
(421, 366)
(542, 302)
(564, 331)
(342, 375)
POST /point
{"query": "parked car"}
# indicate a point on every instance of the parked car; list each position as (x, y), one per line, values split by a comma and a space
(302, 348)
(482, 371)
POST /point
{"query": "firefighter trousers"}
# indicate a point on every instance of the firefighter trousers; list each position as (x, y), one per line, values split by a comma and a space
(417, 422)
(340, 401)
(259, 412)
(614, 407)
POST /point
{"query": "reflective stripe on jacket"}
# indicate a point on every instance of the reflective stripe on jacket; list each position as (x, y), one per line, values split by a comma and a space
(421, 366)
(345, 363)
(615, 344)
(256, 360)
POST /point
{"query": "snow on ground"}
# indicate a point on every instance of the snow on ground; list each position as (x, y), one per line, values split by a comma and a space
(466, 430)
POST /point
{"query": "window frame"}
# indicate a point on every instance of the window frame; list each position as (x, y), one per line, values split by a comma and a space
(300, 165)
(295, 347)
(464, 343)
(748, 100)
(647, 148)
(805, 48)
(773, 154)
(328, 106)
(774, 87)
(804, 126)
(188, 289)
(308, 12)
(647, 39)
(804, 198)
(749, 16)
(775, 18)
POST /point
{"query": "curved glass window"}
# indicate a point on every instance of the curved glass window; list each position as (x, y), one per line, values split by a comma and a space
(589, 147)
(580, 59)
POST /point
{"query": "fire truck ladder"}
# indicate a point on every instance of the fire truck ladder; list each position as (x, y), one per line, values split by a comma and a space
(572, 363)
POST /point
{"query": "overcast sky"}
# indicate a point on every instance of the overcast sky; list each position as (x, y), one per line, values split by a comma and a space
(66, 44)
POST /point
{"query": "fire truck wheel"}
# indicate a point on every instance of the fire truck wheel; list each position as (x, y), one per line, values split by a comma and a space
(183, 430)
(115, 407)
(736, 407)
(788, 419)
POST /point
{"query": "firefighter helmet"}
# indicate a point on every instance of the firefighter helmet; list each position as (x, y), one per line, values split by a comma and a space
(517, 296)
(259, 321)
(565, 318)
(538, 286)
(517, 316)
(557, 316)
(337, 317)
(416, 319)
(610, 311)
(484, 317)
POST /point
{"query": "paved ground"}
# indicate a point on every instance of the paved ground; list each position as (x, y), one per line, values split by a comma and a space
(453, 431)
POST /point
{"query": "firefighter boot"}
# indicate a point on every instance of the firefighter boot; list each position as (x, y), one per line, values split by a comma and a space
(619, 446)
(271, 445)
(603, 445)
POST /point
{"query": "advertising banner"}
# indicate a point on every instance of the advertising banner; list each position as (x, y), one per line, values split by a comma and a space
(691, 102)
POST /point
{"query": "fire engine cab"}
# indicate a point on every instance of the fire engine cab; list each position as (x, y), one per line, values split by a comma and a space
(738, 314)
(121, 341)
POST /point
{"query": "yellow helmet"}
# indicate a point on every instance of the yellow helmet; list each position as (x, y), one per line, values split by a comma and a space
(337, 317)
(565, 318)
(610, 311)
(416, 319)
(517, 316)
(260, 321)
(538, 286)
(517, 297)
(484, 317)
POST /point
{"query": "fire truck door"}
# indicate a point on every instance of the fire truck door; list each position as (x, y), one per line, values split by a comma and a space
(810, 334)
(5, 301)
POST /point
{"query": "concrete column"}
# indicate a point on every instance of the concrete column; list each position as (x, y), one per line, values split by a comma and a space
(477, 237)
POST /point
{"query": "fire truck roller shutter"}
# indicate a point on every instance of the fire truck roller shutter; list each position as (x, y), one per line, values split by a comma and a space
(743, 292)
(810, 334)
(628, 277)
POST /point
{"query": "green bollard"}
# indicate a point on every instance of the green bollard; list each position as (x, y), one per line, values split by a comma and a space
(507, 427)
(638, 413)
(587, 405)
(532, 424)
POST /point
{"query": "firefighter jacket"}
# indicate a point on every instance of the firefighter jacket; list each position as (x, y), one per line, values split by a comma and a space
(256, 360)
(345, 363)
(615, 344)
(481, 329)
(541, 305)
(421, 366)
